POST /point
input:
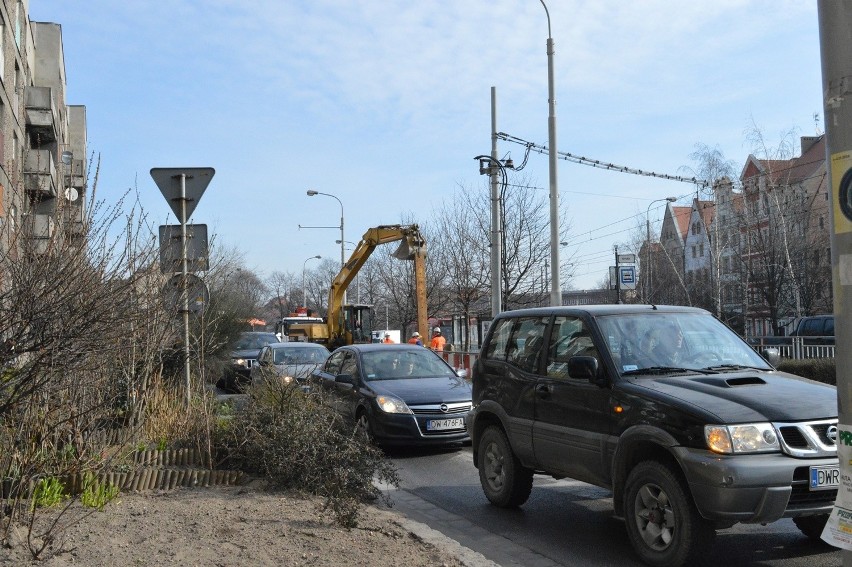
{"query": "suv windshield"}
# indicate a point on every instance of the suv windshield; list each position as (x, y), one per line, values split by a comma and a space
(249, 341)
(661, 341)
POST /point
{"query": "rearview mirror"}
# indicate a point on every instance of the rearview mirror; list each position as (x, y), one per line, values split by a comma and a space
(771, 355)
(345, 379)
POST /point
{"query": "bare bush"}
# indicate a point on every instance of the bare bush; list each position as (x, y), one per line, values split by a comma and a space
(297, 441)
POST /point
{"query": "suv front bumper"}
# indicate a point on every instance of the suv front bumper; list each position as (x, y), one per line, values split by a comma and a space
(753, 488)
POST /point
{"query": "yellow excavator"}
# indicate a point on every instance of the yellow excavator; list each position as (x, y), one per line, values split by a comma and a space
(352, 323)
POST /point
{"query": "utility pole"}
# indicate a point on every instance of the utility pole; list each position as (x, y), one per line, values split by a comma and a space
(835, 21)
(496, 225)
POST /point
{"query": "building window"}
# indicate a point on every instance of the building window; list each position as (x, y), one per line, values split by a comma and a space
(694, 252)
(701, 250)
(821, 222)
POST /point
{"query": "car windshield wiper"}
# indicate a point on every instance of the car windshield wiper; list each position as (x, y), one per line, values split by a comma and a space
(732, 367)
(667, 370)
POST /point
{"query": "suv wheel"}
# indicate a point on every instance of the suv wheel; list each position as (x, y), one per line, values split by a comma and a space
(811, 526)
(663, 524)
(505, 481)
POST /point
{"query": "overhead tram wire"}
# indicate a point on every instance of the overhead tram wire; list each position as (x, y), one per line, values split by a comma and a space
(599, 164)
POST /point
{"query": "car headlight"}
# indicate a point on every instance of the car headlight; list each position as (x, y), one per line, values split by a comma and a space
(390, 404)
(288, 380)
(240, 362)
(744, 438)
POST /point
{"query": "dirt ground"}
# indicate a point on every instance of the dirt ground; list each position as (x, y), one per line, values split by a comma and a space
(224, 526)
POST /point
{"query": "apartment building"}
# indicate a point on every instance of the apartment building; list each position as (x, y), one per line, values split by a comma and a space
(43, 163)
(758, 257)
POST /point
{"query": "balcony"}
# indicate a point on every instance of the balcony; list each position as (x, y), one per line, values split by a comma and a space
(41, 114)
(39, 230)
(75, 174)
(73, 214)
(40, 173)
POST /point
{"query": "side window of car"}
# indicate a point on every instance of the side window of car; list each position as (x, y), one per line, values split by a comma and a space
(496, 349)
(349, 365)
(570, 337)
(829, 327)
(526, 343)
(332, 365)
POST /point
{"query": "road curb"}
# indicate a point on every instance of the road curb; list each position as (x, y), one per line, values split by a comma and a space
(467, 556)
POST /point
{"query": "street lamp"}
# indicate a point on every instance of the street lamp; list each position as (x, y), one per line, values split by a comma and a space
(648, 238)
(357, 275)
(311, 193)
(555, 287)
(492, 170)
(305, 301)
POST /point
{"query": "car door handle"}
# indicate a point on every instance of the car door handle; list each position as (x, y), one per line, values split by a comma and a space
(542, 390)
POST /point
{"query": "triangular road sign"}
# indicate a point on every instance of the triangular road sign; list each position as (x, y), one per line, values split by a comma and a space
(168, 179)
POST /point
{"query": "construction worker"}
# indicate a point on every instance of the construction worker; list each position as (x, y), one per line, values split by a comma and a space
(415, 339)
(388, 339)
(438, 341)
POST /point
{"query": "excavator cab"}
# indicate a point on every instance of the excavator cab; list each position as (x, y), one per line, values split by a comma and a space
(357, 323)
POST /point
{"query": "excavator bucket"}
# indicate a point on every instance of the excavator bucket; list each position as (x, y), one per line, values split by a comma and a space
(408, 248)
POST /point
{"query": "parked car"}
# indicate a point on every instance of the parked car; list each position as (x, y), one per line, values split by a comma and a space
(814, 330)
(290, 362)
(243, 356)
(397, 394)
(687, 447)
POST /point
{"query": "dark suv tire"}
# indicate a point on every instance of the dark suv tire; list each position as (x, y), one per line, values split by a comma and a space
(662, 522)
(505, 481)
(811, 526)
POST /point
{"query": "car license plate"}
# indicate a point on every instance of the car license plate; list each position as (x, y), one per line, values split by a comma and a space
(825, 477)
(439, 424)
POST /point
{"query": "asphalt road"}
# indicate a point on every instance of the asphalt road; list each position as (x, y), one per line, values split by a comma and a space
(564, 522)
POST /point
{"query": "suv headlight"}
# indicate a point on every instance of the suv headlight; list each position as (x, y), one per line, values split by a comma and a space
(743, 438)
(390, 404)
(240, 362)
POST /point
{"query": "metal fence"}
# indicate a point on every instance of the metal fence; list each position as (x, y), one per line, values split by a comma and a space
(796, 348)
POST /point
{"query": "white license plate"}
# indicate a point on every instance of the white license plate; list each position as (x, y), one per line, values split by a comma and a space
(438, 424)
(825, 477)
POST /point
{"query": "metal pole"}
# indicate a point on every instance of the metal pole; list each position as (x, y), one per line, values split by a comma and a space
(648, 281)
(555, 287)
(496, 227)
(835, 21)
(617, 279)
(648, 255)
(185, 285)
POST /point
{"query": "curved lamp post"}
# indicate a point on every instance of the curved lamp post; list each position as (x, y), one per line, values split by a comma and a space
(304, 300)
(648, 238)
(311, 193)
(358, 275)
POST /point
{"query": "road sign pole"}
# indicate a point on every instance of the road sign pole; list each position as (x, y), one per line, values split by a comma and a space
(182, 188)
(185, 290)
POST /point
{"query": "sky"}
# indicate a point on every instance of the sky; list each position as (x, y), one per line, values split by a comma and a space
(384, 104)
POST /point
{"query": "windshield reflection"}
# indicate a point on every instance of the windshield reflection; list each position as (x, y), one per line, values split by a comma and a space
(686, 341)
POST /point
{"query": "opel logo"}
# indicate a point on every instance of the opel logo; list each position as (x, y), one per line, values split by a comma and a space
(831, 433)
(445, 409)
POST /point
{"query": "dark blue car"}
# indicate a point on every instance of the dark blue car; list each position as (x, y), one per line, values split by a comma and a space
(397, 394)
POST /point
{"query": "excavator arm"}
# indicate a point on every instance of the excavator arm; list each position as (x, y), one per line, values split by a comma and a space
(412, 247)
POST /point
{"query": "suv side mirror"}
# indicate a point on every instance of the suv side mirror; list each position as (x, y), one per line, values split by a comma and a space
(584, 367)
(771, 355)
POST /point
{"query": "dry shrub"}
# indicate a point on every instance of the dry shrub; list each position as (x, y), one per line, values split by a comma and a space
(297, 441)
